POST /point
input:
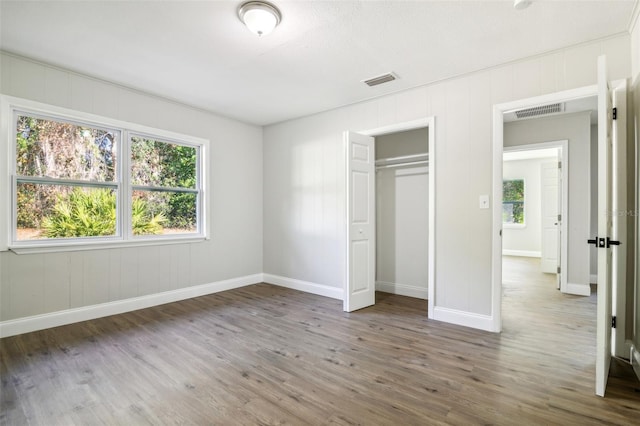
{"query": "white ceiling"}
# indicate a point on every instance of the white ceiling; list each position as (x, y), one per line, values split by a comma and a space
(200, 54)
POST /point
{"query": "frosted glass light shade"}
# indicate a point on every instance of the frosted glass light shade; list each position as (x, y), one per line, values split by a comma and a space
(260, 17)
(521, 4)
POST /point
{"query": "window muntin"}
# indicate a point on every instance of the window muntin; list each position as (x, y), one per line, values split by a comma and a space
(513, 202)
(62, 157)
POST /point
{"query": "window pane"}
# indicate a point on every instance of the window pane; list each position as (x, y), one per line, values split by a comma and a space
(513, 190)
(156, 163)
(508, 213)
(513, 201)
(61, 211)
(163, 212)
(55, 149)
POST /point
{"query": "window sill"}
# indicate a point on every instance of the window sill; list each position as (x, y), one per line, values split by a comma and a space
(514, 225)
(51, 247)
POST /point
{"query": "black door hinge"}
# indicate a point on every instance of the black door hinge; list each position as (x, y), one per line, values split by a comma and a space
(615, 113)
(613, 322)
(611, 242)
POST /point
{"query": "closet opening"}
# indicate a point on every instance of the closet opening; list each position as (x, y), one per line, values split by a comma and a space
(402, 213)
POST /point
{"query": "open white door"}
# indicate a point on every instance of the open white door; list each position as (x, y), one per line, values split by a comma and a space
(360, 281)
(561, 276)
(620, 217)
(605, 182)
(550, 263)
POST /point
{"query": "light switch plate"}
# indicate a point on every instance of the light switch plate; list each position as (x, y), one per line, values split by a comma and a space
(484, 201)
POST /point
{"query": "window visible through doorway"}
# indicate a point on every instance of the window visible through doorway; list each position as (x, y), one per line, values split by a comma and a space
(513, 202)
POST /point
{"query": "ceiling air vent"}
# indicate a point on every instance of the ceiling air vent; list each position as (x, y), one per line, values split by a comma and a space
(384, 78)
(540, 110)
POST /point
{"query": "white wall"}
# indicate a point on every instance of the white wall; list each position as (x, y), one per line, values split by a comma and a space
(526, 240)
(304, 172)
(402, 217)
(577, 129)
(32, 284)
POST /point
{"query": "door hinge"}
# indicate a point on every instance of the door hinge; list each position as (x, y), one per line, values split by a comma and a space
(558, 269)
(559, 164)
(611, 242)
(615, 113)
(613, 322)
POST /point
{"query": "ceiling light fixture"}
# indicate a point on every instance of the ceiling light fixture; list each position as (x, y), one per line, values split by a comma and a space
(521, 4)
(259, 16)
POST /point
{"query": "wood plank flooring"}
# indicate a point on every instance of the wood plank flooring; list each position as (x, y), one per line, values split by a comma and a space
(269, 355)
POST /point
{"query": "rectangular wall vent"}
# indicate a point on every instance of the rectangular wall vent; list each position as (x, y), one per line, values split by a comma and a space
(384, 78)
(540, 110)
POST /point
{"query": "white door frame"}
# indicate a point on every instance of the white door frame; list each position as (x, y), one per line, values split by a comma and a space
(429, 123)
(563, 146)
(498, 147)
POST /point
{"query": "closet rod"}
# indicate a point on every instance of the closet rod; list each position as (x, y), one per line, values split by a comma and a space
(403, 158)
(409, 163)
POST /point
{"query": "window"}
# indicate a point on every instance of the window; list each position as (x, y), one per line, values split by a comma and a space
(513, 202)
(78, 179)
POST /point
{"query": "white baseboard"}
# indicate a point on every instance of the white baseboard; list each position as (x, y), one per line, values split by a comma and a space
(635, 360)
(403, 289)
(579, 289)
(467, 319)
(309, 287)
(593, 279)
(69, 316)
(521, 253)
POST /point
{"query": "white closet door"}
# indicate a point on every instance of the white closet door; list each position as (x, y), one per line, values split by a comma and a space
(360, 286)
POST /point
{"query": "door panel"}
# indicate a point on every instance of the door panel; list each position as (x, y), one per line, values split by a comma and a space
(360, 200)
(562, 216)
(603, 327)
(360, 280)
(360, 271)
(550, 222)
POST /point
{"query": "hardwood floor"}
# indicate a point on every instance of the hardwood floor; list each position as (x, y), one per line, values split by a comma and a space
(269, 355)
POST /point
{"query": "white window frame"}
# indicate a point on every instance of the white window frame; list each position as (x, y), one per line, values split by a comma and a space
(9, 106)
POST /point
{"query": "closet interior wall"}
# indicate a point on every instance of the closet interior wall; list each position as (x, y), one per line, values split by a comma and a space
(402, 213)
